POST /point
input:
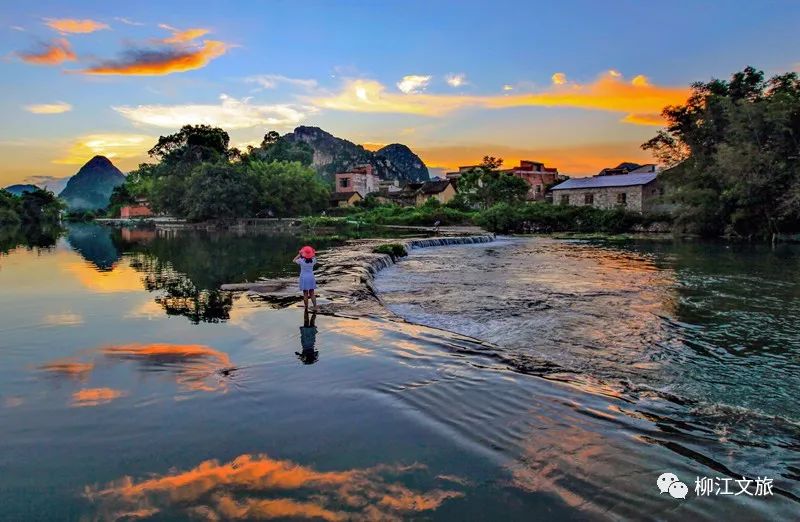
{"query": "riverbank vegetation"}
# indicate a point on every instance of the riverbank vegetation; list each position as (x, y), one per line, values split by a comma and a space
(30, 219)
(198, 176)
(734, 149)
(543, 217)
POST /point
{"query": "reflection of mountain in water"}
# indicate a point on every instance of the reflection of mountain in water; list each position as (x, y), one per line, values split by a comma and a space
(94, 243)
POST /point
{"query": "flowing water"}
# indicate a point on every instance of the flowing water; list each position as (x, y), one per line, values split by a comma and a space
(554, 380)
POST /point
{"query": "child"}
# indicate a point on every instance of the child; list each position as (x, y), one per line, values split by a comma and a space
(306, 259)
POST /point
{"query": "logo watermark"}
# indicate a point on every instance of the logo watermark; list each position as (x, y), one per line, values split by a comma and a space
(714, 486)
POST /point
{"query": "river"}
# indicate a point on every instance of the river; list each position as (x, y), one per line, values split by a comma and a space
(531, 379)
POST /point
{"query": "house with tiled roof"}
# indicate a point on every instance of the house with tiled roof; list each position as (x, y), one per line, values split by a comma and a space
(637, 192)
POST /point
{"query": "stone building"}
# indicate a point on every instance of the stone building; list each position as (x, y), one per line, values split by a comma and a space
(637, 192)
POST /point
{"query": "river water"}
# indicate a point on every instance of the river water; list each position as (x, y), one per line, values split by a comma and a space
(537, 379)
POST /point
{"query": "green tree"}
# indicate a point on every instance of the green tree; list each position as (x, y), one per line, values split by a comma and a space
(193, 143)
(287, 188)
(218, 191)
(485, 185)
(276, 148)
(735, 154)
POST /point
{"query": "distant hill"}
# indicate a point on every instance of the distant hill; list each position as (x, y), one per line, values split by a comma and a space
(332, 155)
(91, 187)
(402, 159)
(18, 190)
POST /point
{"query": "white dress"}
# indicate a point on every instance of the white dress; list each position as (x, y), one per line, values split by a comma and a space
(307, 280)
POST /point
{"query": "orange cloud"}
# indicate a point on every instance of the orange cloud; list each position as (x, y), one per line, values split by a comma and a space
(94, 396)
(195, 366)
(184, 36)
(644, 119)
(56, 52)
(73, 26)
(245, 488)
(610, 92)
(159, 62)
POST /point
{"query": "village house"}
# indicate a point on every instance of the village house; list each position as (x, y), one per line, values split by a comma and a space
(140, 209)
(417, 193)
(537, 175)
(636, 192)
(345, 199)
(361, 179)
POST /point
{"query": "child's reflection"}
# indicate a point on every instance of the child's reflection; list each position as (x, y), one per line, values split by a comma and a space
(308, 337)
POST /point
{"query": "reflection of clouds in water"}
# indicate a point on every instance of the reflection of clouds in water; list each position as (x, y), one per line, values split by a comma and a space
(194, 366)
(94, 396)
(149, 309)
(120, 278)
(63, 319)
(237, 489)
(68, 368)
(360, 329)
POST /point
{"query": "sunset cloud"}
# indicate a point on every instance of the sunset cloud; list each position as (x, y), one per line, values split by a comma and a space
(49, 108)
(73, 26)
(610, 92)
(456, 80)
(55, 52)
(230, 113)
(271, 81)
(257, 487)
(559, 78)
(161, 61)
(183, 36)
(111, 145)
(94, 396)
(413, 83)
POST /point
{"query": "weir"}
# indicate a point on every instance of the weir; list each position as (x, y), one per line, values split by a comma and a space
(346, 275)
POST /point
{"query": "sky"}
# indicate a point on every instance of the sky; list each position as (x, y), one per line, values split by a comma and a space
(576, 84)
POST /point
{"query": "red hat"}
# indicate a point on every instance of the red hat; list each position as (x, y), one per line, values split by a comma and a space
(307, 252)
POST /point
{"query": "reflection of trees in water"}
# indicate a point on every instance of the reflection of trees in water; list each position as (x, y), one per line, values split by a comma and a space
(188, 267)
(13, 236)
(180, 294)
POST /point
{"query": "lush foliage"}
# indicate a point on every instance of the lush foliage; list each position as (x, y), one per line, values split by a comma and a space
(198, 177)
(735, 147)
(275, 148)
(36, 207)
(545, 217)
(425, 215)
(484, 185)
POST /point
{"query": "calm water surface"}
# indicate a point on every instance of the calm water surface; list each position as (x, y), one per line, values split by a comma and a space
(131, 387)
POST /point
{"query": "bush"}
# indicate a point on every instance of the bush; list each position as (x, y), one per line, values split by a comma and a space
(545, 217)
(394, 250)
(425, 215)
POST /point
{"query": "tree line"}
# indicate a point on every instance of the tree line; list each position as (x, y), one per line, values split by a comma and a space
(197, 175)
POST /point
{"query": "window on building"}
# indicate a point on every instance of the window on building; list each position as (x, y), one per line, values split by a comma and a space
(622, 199)
(565, 199)
(344, 182)
(538, 189)
(588, 199)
